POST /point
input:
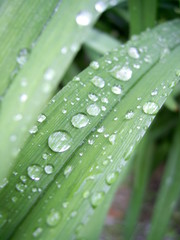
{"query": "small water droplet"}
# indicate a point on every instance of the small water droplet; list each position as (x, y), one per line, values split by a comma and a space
(53, 218)
(104, 100)
(112, 139)
(14, 199)
(150, 108)
(34, 172)
(41, 118)
(59, 141)
(23, 178)
(178, 73)
(22, 57)
(84, 18)
(23, 97)
(33, 130)
(80, 120)
(98, 81)
(100, 130)
(100, 6)
(48, 169)
(20, 187)
(49, 74)
(133, 52)
(37, 232)
(94, 65)
(93, 110)
(3, 219)
(86, 194)
(154, 92)
(116, 90)
(111, 178)
(3, 183)
(96, 199)
(123, 74)
(92, 97)
(129, 115)
(67, 171)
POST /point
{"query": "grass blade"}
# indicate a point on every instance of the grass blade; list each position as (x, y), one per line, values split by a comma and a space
(36, 153)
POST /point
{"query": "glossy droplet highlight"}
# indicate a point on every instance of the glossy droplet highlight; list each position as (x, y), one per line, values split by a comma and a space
(150, 108)
(94, 65)
(100, 6)
(80, 120)
(41, 118)
(34, 172)
(59, 141)
(116, 90)
(33, 130)
(98, 82)
(53, 218)
(111, 178)
(96, 199)
(93, 110)
(48, 169)
(84, 18)
(22, 57)
(133, 52)
(123, 74)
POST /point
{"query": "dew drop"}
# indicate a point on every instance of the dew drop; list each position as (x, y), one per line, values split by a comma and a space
(23, 97)
(83, 18)
(93, 110)
(133, 52)
(41, 118)
(100, 6)
(33, 130)
(92, 97)
(150, 108)
(37, 232)
(111, 178)
(100, 130)
(178, 73)
(34, 172)
(3, 219)
(49, 74)
(129, 115)
(154, 92)
(67, 171)
(116, 90)
(53, 218)
(20, 187)
(80, 120)
(86, 194)
(22, 57)
(23, 178)
(48, 169)
(112, 139)
(94, 65)
(123, 74)
(96, 199)
(98, 81)
(59, 141)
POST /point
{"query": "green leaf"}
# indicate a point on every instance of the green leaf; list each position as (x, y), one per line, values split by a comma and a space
(169, 192)
(59, 186)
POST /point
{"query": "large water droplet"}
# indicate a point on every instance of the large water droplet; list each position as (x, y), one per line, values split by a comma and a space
(53, 218)
(59, 141)
(34, 172)
(111, 178)
(48, 169)
(133, 52)
(22, 57)
(98, 81)
(80, 120)
(96, 199)
(84, 18)
(93, 110)
(123, 74)
(94, 65)
(116, 90)
(150, 108)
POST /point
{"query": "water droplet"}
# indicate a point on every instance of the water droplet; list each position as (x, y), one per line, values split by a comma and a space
(20, 187)
(178, 73)
(33, 130)
(86, 194)
(154, 92)
(98, 82)
(41, 118)
(116, 90)
(93, 110)
(94, 65)
(104, 100)
(83, 18)
(73, 214)
(22, 57)
(100, 6)
(14, 199)
(23, 97)
(49, 74)
(53, 218)
(48, 169)
(37, 232)
(133, 52)
(18, 117)
(100, 130)
(3, 219)
(23, 178)
(34, 172)
(92, 97)
(111, 178)
(150, 108)
(123, 74)
(129, 115)
(67, 171)
(3, 183)
(80, 120)
(59, 141)
(112, 139)
(96, 199)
